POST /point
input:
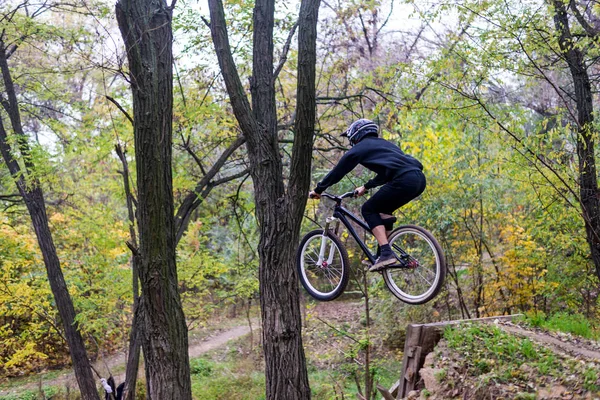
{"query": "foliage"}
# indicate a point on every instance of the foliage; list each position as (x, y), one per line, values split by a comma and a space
(576, 324)
(28, 319)
(500, 167)
(475, 101)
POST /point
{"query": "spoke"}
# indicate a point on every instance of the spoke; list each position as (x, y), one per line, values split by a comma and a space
(313, 269)
(334, 270)
(311, 259)
(331, 283)
(331, 274)
(417, 272)
(334, 278)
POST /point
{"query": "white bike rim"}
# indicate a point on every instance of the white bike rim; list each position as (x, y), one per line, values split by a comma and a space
(432, 287)
(303, 269)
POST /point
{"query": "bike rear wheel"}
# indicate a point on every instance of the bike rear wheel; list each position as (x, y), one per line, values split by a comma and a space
(422, 269)
(323, 266)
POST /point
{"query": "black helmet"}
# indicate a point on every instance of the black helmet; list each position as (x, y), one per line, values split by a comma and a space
(359, 129)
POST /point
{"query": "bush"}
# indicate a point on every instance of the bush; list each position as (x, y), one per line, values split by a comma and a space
(572, 323)
(576, 324)
(201, 366)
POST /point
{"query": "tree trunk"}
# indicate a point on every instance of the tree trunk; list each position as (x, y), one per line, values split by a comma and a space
(146, 29)
(34, 200)
(279, 213)
(588, 185)
(133, 355)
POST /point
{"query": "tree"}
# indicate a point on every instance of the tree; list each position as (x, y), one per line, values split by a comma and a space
(30, 190)
(574, 55)
(279, 208)
(146, 29)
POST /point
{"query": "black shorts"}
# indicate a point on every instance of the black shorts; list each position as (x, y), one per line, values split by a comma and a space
(392, 196)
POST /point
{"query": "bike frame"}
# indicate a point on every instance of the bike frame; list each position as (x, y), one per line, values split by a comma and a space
(344, 215)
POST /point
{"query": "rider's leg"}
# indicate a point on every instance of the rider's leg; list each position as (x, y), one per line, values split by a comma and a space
(372, 216)
(377, 213)
(380, 234)
(388, 223)
(389, 198)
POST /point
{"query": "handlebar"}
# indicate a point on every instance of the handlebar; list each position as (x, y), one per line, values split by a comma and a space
(338, 199)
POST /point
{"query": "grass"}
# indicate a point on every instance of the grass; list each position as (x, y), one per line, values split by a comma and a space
(18, 382)
(490, 349)
(212, 380)
(576, 324)
(32, 394)
(238, 373)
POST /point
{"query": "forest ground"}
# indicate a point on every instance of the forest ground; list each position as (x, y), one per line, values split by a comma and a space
(457, 381)
(201, 341)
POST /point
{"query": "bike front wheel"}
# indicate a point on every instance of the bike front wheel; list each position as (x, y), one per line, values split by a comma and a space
(420, 274)
(323, 265)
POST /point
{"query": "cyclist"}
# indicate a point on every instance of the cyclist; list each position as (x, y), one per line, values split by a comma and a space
(400, 174)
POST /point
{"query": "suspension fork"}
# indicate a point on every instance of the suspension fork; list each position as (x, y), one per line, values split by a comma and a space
(323, 249)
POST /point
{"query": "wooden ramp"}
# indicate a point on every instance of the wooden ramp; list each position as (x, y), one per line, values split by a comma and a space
(421, 339)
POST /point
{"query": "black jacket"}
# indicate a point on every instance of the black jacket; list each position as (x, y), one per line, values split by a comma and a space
(377, 154)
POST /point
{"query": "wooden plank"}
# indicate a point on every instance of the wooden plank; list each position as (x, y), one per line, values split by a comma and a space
(394, 388)
(413, 336)
(385, 393)
(430, 337)
(412, 372)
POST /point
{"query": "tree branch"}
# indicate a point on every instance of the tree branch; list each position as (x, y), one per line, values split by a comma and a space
(304, 124)
(366, 34)
(116, 103)
(189, 203)
(323, 149)
(237, 94)
(186, 146)
(230, 178)
(284, 52)
(11, 198)
(590, 30)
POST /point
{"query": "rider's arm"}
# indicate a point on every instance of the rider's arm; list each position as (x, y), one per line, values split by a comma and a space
(377, 181)
(347, 163)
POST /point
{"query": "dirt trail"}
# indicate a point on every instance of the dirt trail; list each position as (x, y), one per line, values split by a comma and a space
(567, 345)
(119, 360)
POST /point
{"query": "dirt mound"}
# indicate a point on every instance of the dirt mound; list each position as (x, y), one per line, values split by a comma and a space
(508, 361)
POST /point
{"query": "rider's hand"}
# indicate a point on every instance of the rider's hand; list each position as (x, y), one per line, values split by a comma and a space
(314, 195)
(359, 191)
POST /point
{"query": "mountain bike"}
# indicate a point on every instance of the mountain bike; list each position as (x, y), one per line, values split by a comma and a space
(324, 267)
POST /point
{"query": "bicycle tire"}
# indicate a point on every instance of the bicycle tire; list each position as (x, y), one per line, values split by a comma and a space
(324, 282)
(421, 283)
